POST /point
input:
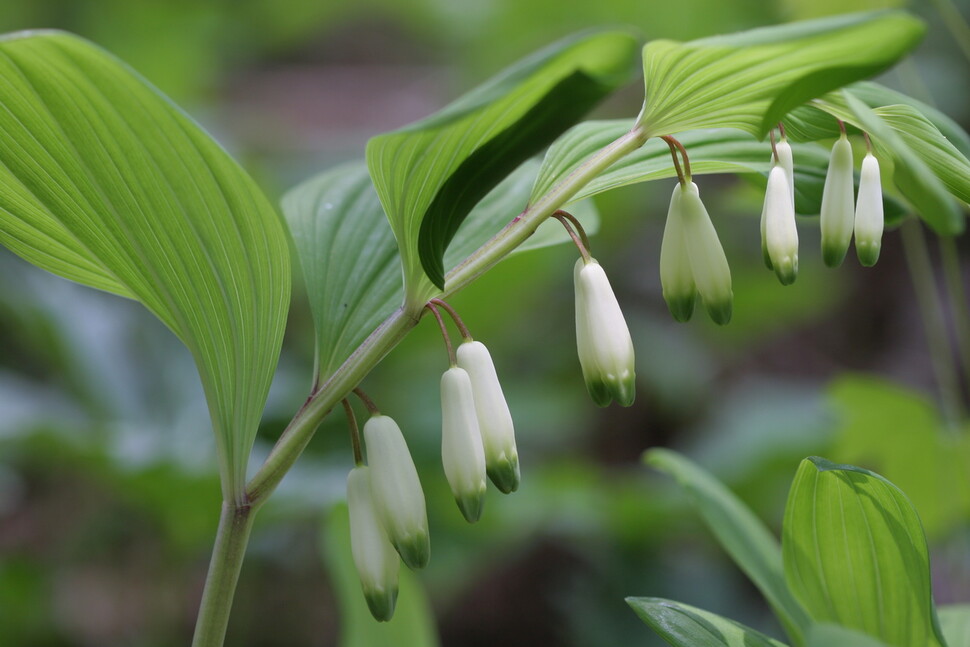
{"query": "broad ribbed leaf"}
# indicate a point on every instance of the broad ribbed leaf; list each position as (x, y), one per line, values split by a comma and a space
(829, 635)
(855, 554)
(750, 80)
(105, 182)
(429, 175)
(955, 622)
(682, 625)
(350, 260)
(746, 539)
(711, 151)
(413, 622)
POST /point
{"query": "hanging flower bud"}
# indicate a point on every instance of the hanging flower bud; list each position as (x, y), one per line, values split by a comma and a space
(398, 496)
(377, 563)
(494, 419)
(602, 337)
(868, 213)
(461, 443)
(676, 277)
(837, 204)
(782, 157)
(712, 274)
(781, 235)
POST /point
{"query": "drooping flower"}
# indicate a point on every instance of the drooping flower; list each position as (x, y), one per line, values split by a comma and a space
(376, 561)
(781, 235)
(782, 157)
(462, 453)
(838, 204)
(709, 266)
(869, 213)
(676, 277)
(602, 337)
(398, 496)
(494, 418)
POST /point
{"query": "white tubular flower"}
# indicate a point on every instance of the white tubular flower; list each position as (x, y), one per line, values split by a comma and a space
(377, 563)
(676, 277)
(781, 235)
(868, 213)
(461, 443)
(494, 419)
(837, 204)
(783, 158)
(602, 338)
(398, 496)
(712, 274)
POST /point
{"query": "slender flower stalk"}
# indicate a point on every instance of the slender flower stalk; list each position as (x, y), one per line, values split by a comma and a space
(709, 266)
(377, 563)
(869, 213)
(602, 337)
(676, 277)
(462, 454)
(494, 418)
(398, 496)
(838, 204)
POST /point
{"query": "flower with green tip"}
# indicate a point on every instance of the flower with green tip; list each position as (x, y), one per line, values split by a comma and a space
(602, 337)
(781, 235)
(676, 277)
(782, 157)
(398, 496)
(708, 264)
(838, 204)
(869, 218)
(462, 454)
(494, 418)
(376, 561)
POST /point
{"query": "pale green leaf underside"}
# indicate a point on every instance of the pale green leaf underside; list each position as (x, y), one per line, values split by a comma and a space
(855, 555)
(413, 622)
(752, 79)
(350, 260)
(745, 538)
(682, 625)
(105, 182)
(955, 622)
(430, 174)
(829, 635)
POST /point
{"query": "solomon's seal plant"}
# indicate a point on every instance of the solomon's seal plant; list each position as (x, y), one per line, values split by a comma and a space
(105, 182)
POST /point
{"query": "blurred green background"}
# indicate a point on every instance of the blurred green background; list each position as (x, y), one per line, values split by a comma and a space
(108, 492)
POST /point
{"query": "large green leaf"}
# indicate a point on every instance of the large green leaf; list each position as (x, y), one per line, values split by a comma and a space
(829, 635)
(686, 626)
(955, 621)
(746, 539)
(750, 80)
(105, 182)
(855, 554)
(430, 174)
(721, 150)
(413, 622)
(350, 260)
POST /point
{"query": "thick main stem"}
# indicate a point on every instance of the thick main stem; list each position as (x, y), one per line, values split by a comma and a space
(235, 523)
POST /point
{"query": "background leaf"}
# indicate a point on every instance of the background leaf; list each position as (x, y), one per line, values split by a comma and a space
(855, 554)
(751, 79)
(829, 635)
(413, 622)
(350, 261)
(430, 174)
(103, 181)
(746, 539)
(686, 626)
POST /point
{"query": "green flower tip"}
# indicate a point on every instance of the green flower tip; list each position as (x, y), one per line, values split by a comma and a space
(833, 253)
(720, 311)
(787, 270)
(604, 391)
(414, 549)
(381, 603)
(765, 256)
(868, 252)
(504, 473)
(471, 505)
(681, 307)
